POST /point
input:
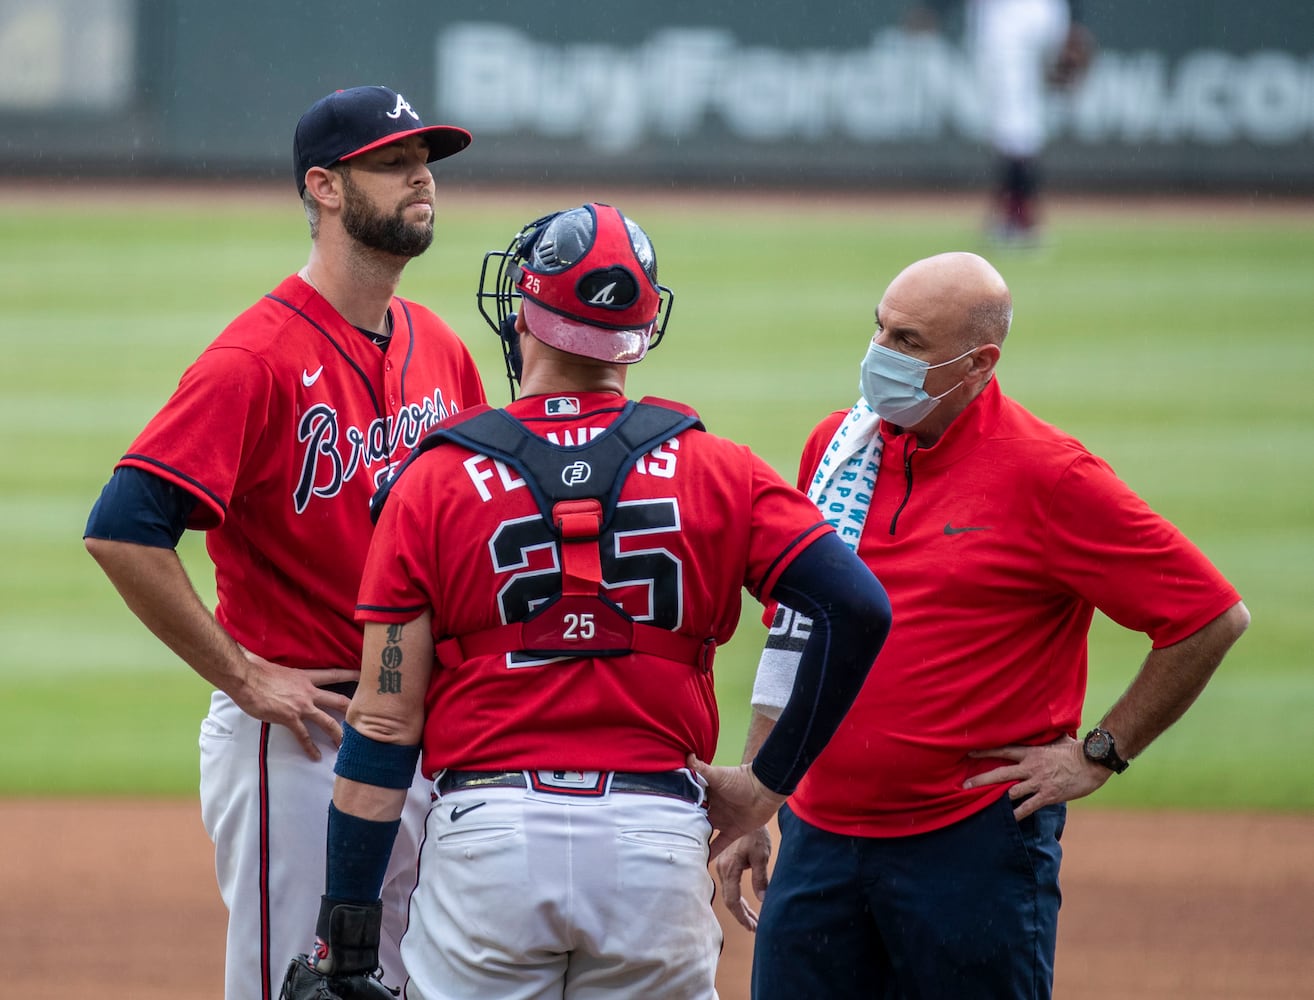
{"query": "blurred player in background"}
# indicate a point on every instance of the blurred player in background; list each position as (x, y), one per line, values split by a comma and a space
(543, 597)
(1020, 49)
(273, 443)
(920, 855)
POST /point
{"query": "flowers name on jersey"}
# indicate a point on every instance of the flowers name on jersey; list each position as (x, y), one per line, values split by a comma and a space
(336, 454)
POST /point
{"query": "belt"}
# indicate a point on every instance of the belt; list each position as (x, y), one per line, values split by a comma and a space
(347, 688)
(578, 784)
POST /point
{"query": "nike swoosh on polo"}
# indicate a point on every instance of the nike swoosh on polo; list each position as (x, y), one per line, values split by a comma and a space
(308, 379)
(949, 529)
(458, 812)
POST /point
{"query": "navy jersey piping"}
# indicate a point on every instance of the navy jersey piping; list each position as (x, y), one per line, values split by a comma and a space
(172, 471)
(809, 533)
(378, 408)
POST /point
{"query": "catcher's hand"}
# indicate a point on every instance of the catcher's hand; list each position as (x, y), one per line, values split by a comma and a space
(1074, 58)
(346, 956)
(304, 982)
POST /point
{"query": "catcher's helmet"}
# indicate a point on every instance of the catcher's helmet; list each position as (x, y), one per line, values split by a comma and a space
(588, 280)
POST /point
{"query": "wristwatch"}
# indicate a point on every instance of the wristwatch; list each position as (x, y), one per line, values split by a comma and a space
(1100, 747)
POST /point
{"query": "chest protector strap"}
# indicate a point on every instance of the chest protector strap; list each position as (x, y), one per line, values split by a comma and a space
(576, 490)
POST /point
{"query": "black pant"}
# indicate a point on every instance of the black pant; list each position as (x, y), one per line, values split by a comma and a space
(969, 911)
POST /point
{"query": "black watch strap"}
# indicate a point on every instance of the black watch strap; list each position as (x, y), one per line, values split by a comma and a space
(1100, 746)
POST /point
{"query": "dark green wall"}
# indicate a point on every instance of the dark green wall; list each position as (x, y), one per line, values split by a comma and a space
(1187, 95)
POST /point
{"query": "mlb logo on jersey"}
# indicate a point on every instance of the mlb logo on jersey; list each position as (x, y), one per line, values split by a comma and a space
(559, 406)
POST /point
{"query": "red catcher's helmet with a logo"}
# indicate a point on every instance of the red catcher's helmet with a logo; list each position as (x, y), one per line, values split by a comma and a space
(590, 285)
(588, 280)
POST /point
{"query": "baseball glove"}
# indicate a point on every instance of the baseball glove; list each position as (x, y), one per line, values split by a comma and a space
(304, 982)
(1074, 58)
(346, 959)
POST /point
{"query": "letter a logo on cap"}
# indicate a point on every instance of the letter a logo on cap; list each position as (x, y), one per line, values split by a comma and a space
(402, 105)
(605, 296)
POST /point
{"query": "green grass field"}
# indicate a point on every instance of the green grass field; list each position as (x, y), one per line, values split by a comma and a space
(1174, 342)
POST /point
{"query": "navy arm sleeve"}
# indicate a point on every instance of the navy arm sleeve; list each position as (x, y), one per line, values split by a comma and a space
(851, 617)
(136, 506)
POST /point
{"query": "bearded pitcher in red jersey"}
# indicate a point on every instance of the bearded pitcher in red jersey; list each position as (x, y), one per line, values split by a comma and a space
(920, 855)
(543, 600)
(273, 444)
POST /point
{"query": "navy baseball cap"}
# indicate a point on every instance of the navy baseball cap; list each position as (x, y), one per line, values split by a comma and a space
(347, 123)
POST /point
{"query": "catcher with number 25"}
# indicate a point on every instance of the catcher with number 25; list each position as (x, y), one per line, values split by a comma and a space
(543, 597)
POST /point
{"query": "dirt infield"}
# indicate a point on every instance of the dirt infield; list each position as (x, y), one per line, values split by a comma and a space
(116, 899)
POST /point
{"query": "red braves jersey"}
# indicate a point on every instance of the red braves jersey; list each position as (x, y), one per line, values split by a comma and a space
(995, 546)
(698, 519)
(282, 429)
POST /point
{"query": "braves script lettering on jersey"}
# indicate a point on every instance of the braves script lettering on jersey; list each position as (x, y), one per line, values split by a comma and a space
(699, 519)
(283, 429)
(334, 454)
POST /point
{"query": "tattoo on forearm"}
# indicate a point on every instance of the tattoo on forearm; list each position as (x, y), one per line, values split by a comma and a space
(390, 662)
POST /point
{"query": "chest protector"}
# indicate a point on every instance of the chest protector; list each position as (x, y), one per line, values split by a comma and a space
(576, 490)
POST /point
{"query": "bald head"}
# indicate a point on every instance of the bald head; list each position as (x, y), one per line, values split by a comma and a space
(958, 298)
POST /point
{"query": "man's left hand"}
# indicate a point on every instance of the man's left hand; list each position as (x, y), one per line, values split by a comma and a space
(737, 803)
(1044, 775)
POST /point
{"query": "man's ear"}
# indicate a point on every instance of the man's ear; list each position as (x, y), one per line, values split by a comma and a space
(324, 185)
(984, 361)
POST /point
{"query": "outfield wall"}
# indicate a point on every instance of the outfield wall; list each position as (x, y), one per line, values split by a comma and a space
(1185, 94)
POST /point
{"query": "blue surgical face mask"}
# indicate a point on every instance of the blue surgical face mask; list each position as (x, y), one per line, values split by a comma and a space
(893, 385)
